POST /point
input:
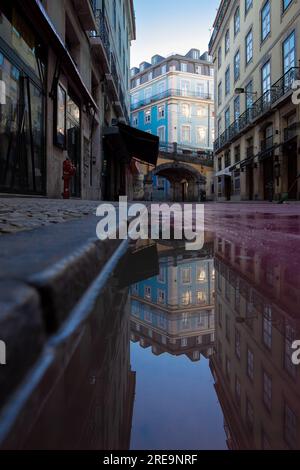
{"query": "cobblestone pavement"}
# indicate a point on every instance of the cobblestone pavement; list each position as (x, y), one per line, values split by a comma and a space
(18, 214)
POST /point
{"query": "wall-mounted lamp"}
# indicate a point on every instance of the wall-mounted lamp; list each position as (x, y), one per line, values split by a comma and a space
(242, 91)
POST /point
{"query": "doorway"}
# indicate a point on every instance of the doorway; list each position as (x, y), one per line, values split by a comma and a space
(74, 144)
(268, 169)
(292, 169)
(250, 182)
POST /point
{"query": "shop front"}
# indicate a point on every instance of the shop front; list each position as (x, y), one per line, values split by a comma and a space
(22, 107)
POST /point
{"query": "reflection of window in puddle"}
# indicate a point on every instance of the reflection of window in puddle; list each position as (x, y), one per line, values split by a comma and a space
(186, 298)
(201, 275)
(147, 292)
(186, 275)
(201, 297)
(183, 342)
(161, 296)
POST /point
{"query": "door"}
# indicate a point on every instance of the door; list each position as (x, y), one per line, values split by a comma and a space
(227, 188)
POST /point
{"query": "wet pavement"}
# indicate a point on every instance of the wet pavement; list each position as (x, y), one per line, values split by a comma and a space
(186, 349)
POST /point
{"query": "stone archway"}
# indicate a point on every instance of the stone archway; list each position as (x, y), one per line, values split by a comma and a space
(187, 182)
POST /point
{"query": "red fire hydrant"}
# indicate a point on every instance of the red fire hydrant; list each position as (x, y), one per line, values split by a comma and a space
(69, 171)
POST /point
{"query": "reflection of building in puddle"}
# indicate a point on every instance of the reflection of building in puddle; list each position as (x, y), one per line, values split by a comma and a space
(257, 318)
(173, 311)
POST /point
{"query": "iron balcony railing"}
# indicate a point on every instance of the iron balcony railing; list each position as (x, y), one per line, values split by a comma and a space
(167, 94)
(102, 31)
(259, 108)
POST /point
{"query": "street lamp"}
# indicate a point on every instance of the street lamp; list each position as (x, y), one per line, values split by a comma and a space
(242, 91)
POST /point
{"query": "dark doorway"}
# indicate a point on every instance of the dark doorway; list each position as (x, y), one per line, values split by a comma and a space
(227, 188)
(249, 180)
(292, 169)
(268, 179)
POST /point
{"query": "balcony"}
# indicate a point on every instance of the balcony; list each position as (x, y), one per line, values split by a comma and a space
(85, 10)
(186, 153)
(169, 94)
(259, 109)
(99, 39)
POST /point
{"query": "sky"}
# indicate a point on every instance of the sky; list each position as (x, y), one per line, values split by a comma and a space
(166, 26)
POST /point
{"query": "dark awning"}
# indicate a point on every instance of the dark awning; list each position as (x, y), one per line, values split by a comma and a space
(138, 144)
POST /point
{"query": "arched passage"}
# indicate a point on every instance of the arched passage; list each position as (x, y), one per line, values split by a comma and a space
(187, 183)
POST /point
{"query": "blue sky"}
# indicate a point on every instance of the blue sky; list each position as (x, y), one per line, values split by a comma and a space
(165, 26)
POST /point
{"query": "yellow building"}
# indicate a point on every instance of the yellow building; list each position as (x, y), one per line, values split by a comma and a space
(255, 47)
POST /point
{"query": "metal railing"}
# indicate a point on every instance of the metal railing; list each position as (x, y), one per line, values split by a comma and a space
(170, 93)
(102, 33)
(259, 108)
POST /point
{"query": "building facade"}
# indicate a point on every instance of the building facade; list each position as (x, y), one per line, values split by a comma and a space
(173, 312)
(65, 69)
(257, 320)
(255, 47)
(172, 97)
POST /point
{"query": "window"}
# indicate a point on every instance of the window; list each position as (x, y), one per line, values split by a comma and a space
(147, 292)
(227, 81)
(185, 88)
(237, 65)
(219, 129)
(186, 298)
(267, 327)
(183, 342)
(161, 132)
(227, 41)
(186, 133)
(290, 426)
(249, 95)
(249, 46)
(148, 94)
(183, 66)
(237, 108)
(266, 20)
(267, 390)
(201, 275)
(266, 77)
(201, 297)
(237, 21)
(164, 69)
(248, 5)
(237, 343)
(198, 69)
(200, 89)
(135, 120)
(289, 53)
(220, 315)
(162, 272)
(227, 118)
(250, 364)
(148, 116)
(161, 297)
(161, 111)
(201, 111)
(150, 75)
(161, 88)
(220, 94)
(219, 57)
(286, 4)
(201, 135)
(60, 117)
(185, 110)
(138, 82)
(186, 275)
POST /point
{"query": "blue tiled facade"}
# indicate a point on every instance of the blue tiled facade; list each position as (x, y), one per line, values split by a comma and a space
(173, 98)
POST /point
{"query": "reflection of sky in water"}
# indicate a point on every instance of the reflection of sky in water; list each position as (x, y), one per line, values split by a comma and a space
(176, 406)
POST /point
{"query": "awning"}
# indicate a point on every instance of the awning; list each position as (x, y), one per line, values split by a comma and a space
(47, 30)
(136, 143)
